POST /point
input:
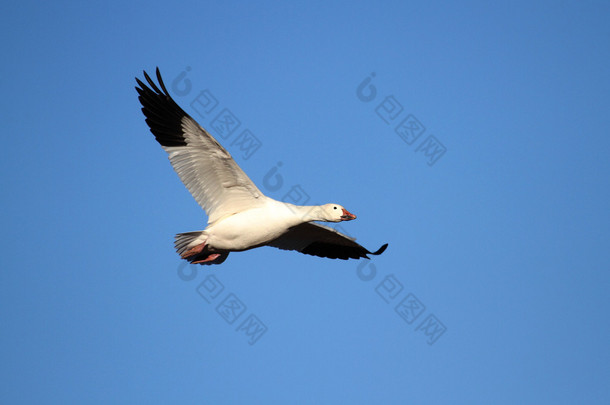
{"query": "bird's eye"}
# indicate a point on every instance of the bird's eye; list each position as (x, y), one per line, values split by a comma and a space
(334, 208)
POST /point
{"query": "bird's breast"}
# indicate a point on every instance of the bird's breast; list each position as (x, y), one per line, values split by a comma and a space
(245, 230)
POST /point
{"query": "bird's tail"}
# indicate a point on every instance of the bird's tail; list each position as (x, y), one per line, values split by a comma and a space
(191, 246)
(188, 240)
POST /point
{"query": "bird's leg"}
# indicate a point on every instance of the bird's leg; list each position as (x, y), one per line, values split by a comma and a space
(211, 257)
(193, 251)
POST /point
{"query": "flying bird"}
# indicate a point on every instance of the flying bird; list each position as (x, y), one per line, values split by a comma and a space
(240, 216)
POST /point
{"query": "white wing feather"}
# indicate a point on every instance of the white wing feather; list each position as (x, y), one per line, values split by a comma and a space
(209, 172)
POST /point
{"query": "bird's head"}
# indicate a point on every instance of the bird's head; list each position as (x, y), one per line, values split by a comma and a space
(336, 213)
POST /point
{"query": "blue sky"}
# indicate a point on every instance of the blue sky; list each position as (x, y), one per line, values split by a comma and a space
(477, 149)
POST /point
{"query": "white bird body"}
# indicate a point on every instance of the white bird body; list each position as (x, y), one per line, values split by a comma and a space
(254, 227)
(240, 216)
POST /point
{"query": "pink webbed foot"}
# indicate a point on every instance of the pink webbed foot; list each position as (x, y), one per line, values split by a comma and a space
(210, 258)
(193, 251)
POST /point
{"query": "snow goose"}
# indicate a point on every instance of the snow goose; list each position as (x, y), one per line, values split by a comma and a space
(240, 216)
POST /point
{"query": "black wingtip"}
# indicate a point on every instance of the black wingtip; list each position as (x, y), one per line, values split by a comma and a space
(380, 250)
(163, 115)
(160, 80)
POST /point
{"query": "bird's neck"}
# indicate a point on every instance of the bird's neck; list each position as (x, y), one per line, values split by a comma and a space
(306, 213)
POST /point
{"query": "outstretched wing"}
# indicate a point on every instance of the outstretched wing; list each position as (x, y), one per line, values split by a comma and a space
(209, 172)
(319, 240)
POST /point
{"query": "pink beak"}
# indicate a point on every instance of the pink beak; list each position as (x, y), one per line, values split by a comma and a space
(347, 216)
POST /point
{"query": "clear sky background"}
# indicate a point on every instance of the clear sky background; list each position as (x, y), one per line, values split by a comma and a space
(494, 288)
